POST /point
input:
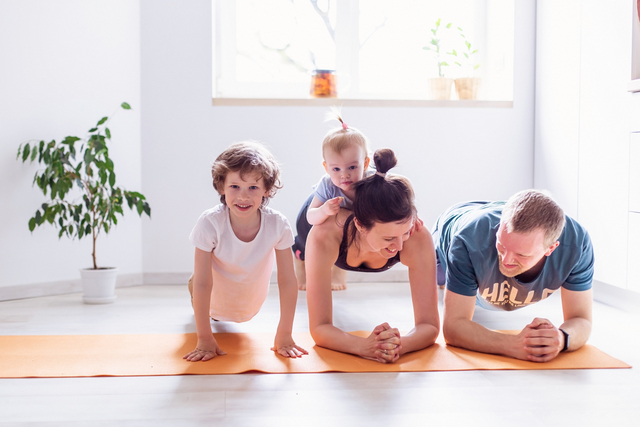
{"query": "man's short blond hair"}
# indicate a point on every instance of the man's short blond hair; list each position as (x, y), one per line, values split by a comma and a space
(530, 210)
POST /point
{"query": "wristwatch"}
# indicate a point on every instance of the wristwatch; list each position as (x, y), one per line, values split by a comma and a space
(566, 340)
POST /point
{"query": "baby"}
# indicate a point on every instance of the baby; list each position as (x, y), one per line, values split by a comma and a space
(346, 161)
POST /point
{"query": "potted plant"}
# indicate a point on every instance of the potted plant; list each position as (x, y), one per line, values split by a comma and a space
(439, 87)
(83, 199)
(467, 87)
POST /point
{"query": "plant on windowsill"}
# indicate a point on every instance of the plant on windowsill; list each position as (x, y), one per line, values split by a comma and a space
(83, 197)
(439, 87)
(467, 86)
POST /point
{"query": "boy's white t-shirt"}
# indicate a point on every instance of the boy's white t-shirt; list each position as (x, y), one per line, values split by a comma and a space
(241, 270)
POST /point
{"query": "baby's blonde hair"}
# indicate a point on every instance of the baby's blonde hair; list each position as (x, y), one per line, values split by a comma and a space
(344, 136)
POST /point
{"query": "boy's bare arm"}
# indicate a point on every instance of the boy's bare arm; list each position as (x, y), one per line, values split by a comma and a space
(288, 290)
(207, 347)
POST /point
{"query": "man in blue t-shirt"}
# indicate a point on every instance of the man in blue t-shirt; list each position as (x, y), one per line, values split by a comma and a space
(505, 256)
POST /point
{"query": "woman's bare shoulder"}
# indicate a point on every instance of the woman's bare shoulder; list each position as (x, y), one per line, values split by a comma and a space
(417, 245)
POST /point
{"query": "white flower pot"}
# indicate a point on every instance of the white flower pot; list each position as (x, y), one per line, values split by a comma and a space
(99, 286)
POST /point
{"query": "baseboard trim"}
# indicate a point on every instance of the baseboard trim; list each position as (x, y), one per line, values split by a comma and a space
(616, 297)
(35, 290)
(166, 278)
(604, 293)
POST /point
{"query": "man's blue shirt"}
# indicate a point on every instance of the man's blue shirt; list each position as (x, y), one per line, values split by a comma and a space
(466, 246)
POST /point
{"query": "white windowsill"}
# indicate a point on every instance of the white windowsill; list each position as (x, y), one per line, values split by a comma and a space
(325, 102)
(634, 86)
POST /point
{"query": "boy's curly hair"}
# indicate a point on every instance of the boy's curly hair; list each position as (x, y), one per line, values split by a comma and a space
(247, 157)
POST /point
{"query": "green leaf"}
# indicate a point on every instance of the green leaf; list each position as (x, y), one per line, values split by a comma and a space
(19, 150)
(449, 25)
(468, 45)
(465, 55)
(460, 28)
(93, 130)
(140, 207)
(103, 176)
(102, 120)
(438, 23)
(476, 67)
(34, 154)
(106, 227)
(444, 64)
(433, 31)
(25, 152)
(434, 42)
(454, 53)
(147, 209)
(475, 51)
(32, 224)
(108, 132)
(112, 179)
(459, 64)
(126, 106)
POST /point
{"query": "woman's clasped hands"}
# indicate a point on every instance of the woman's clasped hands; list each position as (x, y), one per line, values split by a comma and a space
(383, 344)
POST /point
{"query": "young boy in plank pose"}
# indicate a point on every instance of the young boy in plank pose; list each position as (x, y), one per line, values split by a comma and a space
(235, 245)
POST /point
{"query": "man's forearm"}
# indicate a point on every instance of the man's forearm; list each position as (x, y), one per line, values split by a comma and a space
(579, 330)
(468, 334)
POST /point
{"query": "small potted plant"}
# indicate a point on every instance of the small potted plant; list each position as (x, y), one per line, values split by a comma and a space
(83, 199)
(439, 87)
(466, 87)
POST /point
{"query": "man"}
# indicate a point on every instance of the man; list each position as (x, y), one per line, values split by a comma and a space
(507, 256)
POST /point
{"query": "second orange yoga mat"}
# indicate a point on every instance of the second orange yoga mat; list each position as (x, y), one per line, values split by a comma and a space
(161, 354)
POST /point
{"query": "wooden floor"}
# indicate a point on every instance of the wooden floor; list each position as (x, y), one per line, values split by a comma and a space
(475, 398)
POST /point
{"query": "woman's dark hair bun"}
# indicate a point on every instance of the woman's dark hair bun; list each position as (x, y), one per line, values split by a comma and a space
(384, 159)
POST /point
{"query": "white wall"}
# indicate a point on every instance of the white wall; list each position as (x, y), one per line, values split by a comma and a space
(582, 120)
(450, 154)
(557, 106)
(63, 65)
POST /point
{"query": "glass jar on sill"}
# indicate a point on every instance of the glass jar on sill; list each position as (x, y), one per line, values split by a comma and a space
(323, 84)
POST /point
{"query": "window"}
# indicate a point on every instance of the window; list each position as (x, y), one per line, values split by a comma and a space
(270, 48)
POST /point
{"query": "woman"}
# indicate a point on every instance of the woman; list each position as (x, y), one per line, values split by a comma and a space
(378, 234)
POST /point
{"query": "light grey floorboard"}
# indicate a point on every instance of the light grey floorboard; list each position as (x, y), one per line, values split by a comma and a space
(478, 398)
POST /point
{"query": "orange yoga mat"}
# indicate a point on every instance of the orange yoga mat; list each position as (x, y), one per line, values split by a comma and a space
(161, 354)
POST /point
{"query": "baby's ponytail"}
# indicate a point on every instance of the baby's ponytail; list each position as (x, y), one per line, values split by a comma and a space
(344, 136)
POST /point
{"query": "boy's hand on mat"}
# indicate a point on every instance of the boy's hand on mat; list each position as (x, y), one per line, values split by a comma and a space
(286, 347)
(204, 352)
(331, 206)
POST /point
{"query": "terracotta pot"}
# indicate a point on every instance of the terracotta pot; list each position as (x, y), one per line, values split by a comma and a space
(467, 87)
(440, 88)
(99, 286)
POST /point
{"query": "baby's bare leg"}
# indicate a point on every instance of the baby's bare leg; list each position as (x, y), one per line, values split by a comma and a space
(301, 273)
(190, 286)
(338, 279)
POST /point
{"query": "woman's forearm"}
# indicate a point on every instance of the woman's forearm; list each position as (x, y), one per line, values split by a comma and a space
(420, 337)
(328, 336)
